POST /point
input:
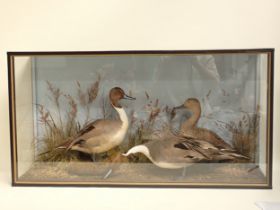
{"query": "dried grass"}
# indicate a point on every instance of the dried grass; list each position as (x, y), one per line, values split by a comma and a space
(88, 96)
(56, 133)
(245, 142)
(245, 131)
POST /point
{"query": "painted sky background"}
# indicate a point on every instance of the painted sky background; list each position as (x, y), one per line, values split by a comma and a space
(226, 85)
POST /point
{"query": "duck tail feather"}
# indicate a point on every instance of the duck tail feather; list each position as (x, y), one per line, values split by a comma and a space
(240, 156)
(64, 146)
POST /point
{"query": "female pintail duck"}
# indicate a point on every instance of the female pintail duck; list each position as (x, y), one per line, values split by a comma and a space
(189, 128)
(178, 152)
(103, 134)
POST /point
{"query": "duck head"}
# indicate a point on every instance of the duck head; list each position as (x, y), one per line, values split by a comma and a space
(138, 149)
(191, 104)
(117, 94)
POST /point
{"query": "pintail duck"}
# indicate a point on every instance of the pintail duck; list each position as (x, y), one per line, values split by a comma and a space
(103, 134)
(189, 128)
(165, 154)
(177, 152)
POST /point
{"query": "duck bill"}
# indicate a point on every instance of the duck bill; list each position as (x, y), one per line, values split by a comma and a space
(173, 112)
(179, 107)
(128, 97)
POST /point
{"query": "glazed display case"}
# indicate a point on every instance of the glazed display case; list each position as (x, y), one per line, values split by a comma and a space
(142, 118)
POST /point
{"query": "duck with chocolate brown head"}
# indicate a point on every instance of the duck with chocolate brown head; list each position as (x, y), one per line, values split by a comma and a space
(103, 134)
(116, 94)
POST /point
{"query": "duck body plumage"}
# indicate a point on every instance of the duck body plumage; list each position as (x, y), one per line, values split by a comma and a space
(99, 136)
(189, 128)
(206, 135)
(179, 152)
(164, 154)
(103, 134)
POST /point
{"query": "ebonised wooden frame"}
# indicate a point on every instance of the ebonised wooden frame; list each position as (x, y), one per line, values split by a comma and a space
(13, 129)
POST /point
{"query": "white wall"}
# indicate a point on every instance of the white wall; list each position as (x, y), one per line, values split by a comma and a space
(34, 25)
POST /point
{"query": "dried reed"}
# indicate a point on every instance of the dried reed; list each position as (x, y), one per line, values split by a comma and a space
(88, 96)
(55, 96)
(245, 135)
(54, 135)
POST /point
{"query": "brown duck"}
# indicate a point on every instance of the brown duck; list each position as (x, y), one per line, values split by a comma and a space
(189, 128)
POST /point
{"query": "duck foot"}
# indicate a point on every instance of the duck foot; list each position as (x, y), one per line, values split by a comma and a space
(184, 172)
(93, 157)
(181, 176)
(108, 174)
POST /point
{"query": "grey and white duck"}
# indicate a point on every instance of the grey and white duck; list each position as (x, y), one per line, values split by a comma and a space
(103, 134)
(177, 152)
(167, 153)
(173, 151)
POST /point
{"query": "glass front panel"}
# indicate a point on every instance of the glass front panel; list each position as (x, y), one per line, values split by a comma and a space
(191, 119)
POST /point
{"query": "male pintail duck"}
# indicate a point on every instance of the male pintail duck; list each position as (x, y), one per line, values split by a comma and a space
(103, 134)
(189, 128)
(165, 153)
(177, 152)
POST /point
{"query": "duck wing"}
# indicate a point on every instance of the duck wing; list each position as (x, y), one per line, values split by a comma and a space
(207, 135)
(209, 151)
(96, 129)
(194, 146)
(87, 128)
(171, 151)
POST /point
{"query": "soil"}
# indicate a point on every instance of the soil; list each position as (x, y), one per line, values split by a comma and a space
(146, 173)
